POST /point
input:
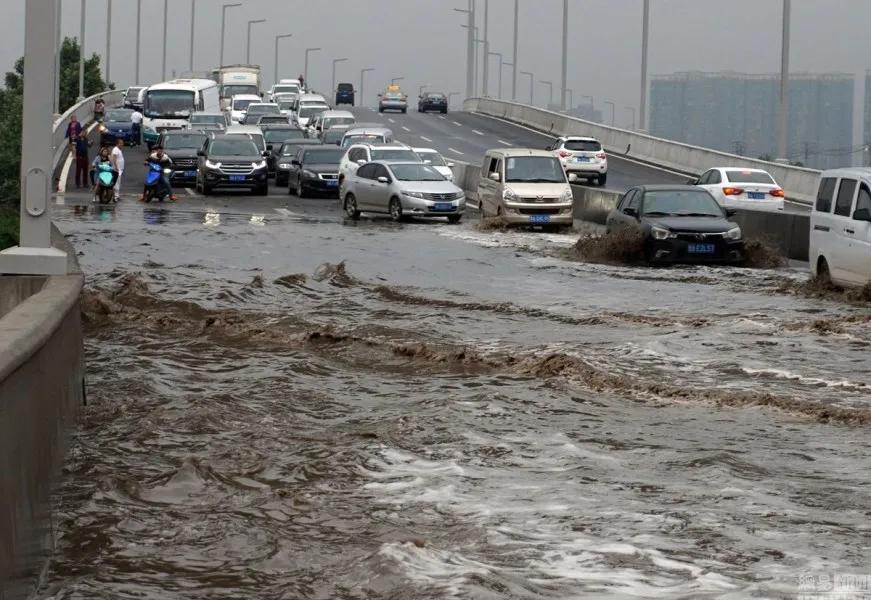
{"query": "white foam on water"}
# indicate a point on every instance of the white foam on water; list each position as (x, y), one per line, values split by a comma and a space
(803, 379)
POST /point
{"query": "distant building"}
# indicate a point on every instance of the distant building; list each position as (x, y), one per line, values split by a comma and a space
(737, 112)
(867, 136)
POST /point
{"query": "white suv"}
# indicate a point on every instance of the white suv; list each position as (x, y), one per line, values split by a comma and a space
(583, 156)
(360, 154)
(840, 228)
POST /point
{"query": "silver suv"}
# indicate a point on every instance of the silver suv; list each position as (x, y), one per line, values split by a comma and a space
(583, 156)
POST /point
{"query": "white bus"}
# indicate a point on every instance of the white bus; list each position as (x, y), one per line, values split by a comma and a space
(169, 105)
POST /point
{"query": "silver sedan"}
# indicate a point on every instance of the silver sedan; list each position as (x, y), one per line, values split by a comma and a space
(402, 190)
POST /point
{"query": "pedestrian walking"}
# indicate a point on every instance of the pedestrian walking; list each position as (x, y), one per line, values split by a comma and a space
(118, 162)
(79, 149)
(136, 119)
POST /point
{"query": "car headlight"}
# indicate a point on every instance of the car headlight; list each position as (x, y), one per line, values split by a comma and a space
(413, 194)
(259, 165)
(733, 234)
(509, 195)
(660, 233)
(567, 196)
(309, 174)
(284, 166)
(212, 165)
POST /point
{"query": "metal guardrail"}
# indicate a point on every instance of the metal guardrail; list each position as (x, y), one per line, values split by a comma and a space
(84, 112)
(799, 183)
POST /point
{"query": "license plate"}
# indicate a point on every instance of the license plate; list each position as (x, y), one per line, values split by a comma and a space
(755, 196)
(237, 178)
(701, 248)
(332, 183)
(582, 159)
(539, 219)
(442, 206)
(190, 173)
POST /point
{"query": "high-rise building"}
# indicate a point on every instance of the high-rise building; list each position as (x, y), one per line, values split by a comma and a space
(737, 112)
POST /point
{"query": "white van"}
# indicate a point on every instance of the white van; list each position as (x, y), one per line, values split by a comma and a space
(169, 105)
(840, 229)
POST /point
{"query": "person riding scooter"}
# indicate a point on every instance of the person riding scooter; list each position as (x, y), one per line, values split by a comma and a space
(103, 164)
(157, 157)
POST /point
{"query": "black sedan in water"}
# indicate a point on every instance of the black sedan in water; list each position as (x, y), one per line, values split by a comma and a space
(433, 101)
(315, 170)
(679, 224)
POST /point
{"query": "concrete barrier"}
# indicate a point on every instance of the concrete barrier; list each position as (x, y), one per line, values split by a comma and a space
(800, 184)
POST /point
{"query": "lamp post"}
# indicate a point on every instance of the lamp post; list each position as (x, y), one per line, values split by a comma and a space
(571, 102)
(335, 62)
(165, 29)
(138, 39)
(224, 26)
(485, 85)
(421, 88)
(305, 72)
(248, 41)
(362, 73)
(514, 60)
(632, 110)
(499, 54)
(565, 63)
(277, 38)
(611, 104)
(193, 32)
(531, 86)
(82, 52)
(395, 79)
(549, 85)
(470, 49)
(783, 112)
(108, 40)
(504, 64)
(645, 38)
(475, 40)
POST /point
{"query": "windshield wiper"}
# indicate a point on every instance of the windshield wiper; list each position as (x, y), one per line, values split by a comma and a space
(695, 215)
(657, 213)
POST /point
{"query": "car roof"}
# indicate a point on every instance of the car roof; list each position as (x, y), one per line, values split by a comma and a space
(312, 97)
(233, 129)
(742, 169)
(336, 113)
(246, 97)
(207, 113)
(368, 131)
(390, 145)
(426, 150)
(515, 152)
(343, 127)
(174, 132)
(578, 138)
(262, 104)
(302, 142)
(860, 172)
(225, 136)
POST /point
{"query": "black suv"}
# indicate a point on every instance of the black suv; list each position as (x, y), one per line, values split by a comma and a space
(275, 135)
(433, 101)
(234, 162)
(181, 147)
(315, 170)
(345, 94)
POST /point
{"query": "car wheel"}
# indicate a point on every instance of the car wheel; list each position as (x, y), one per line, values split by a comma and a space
(381, 110)
(351, 207)
(396, 210)
(601, 180)
(280, 181)
(300, 189)
(207, 189)
(445, 111)
(824, 274)
(404, 110)
(454, 219)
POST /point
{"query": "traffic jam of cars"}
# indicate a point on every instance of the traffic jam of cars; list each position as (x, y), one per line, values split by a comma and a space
(237, 137)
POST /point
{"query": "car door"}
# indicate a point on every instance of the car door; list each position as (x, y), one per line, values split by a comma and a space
(295, 168)
(822, 232)
(859, 259)
(843, 229)
(380, 198)
(619, 218)
(362, 186)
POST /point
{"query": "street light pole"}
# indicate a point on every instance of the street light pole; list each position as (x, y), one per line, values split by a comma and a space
(531, 86)
(611, 104)
(632, 110)
(82, 52)
(421, 88)
(514, 60)
(783, 113)
(224, 26)
(305, 72)
(504, 64)
(565, 65)
(395, 79)
(645, 38)
(362, 73)
(57, 48)
(335, 62)
(549, 85)
(165, 29)
(248, 41)
(138, 39)
(35, 255)
(499, 54)
(470, 49)
(277, 38)
(193, 31)
(571, 94)
(485, 85)
(108, 41)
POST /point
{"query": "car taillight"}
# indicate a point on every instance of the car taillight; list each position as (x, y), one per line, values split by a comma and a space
(778, 193)
(601, 156)
(730, 191)
(564, 153)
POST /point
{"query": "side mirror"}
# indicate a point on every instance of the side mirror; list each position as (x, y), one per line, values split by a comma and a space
(294, 162)
(383, 179)
(269, 147)
(862, 214)
(731, 212)
(632, 212)
(495, 177)
(201, 152)
(450, 165)
(573, 178)
(265, 154)
(427, 162)
(692, 182)
(361, 162)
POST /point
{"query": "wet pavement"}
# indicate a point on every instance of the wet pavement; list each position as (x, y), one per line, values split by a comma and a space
(285, 404)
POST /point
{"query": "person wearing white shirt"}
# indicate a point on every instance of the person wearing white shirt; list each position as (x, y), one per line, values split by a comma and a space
(118, 161)
(136, 119)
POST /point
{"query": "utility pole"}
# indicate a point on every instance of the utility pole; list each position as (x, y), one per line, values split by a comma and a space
(611, 104)
(632, 110)
(549, 85)
(362, 74)
(531, 86)
(783, 113)
(335, 62)
(645, 40)
(305, 72)
(223, 26)
(35, 254)
(57, 48)
(108, 41)
(193, 31)
(82, 52)
(565, 66)
(485, 86)
(514, 60)
(277, 38)
(165, 29)
(501, 67)
(138, 39)
(248, 42)
(470, 49)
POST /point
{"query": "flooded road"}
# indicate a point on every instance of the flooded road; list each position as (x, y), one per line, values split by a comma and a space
(286, 405)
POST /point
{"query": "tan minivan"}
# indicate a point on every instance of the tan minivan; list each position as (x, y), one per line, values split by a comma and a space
(525, 187)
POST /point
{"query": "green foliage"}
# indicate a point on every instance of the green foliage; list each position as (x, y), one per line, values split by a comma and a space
(8, 227)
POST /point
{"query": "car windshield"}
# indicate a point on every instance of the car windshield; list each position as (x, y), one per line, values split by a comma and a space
(285, 89)
(394, 96)
(309, 112)
(333, 137)
(285, 104)
(436, 96)
(534, 169)
(273, 119)
(394, 154)
(240, 147)
(350, 140)
(169, 103)
(583, 146)
(207, 119)
(436, 159)
(234, 90)
(291, 149)
(133, 93)
(416, 173)
(274, 136)
(242, 104)
(119, 115)
(331, 121)
(666, 203)
(263, 109)
(323, 156)
(749, 177)
(346, 87)
(184, 141)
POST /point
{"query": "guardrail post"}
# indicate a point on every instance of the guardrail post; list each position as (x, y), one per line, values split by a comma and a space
(35, 254)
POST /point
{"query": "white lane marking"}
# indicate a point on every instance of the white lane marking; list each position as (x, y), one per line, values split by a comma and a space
(475, 131)
(456, 151)
(286, 213)
(457, 124)
(442, 118)
(426, 139)
(503, 142)
(406, 129)
(391, 120)
(190, 191)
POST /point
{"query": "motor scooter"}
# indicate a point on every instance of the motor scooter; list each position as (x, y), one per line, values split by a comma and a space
(154, 187)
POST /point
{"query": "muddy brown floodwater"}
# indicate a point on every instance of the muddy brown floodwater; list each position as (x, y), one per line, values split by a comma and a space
(284, 407)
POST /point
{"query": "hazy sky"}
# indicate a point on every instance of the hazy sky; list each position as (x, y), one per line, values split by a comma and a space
(423, 41)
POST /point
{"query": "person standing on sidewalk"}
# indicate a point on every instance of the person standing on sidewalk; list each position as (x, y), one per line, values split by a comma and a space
(118, 162)
(74, 129)
(79, 149)
(136, 119)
